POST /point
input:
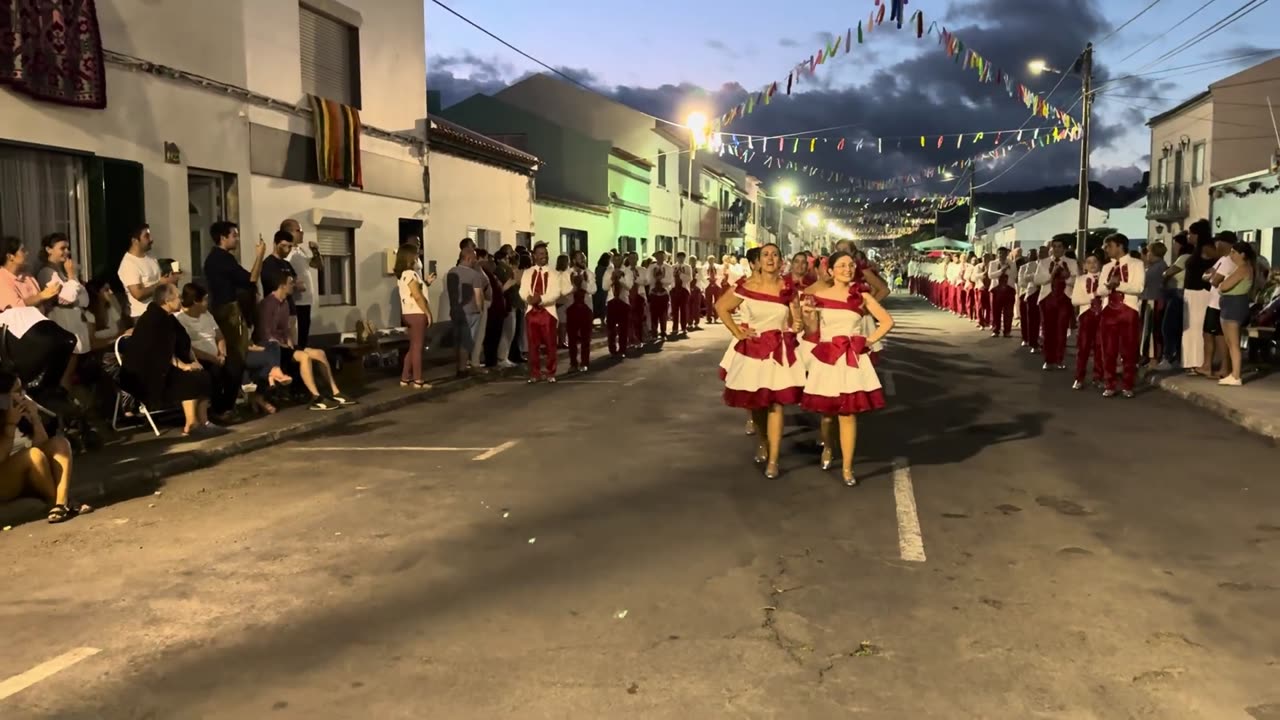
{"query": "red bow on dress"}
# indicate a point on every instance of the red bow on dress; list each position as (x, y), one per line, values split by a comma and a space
(848, 346)
(772, 344)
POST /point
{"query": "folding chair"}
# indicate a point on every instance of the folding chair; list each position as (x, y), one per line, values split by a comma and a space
(124, 398)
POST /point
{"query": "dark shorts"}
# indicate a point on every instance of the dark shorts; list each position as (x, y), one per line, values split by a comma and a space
(1235, 308)
(1213, 322)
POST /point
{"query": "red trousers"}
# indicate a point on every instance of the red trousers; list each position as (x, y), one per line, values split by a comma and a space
(984, 307)
(1121, 330)
(1002, 299)
(1055, 314)
(695, 306)
(679, 310)
(712, 294)
(540, 331)
(1088, 344)
(578, 321)
(658, 307)
(617, 325)
(1031, 320)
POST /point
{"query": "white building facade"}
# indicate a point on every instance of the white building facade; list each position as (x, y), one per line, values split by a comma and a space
(207, 118)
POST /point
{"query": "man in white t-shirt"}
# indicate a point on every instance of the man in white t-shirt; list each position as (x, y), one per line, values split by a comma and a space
(306, 267)
(140, 273)
(1214, 343)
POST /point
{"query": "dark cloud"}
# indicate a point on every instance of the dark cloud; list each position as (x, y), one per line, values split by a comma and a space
(721, 47)
(788, 43)
(927, 93)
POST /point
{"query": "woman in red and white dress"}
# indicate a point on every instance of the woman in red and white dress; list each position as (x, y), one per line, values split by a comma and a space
(842, 381)
(760, 370)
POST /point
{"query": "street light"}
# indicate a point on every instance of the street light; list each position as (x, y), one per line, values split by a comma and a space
(1084, 66)
(812, 218)
(697, 124)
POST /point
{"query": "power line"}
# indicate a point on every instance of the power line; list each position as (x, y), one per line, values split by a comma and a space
(533, 59)
(1203, 65)
(1126, 23)
(1225, 22)
(1161, 36)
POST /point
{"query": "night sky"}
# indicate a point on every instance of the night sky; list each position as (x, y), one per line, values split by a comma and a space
(672, 53)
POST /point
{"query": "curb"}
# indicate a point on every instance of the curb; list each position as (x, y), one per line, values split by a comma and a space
(150, 475)
(1268, 430)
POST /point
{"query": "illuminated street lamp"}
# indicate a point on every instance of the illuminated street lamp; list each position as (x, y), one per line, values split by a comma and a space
(697, 124)
(812, 218)
(1037, 67)
(1084, 66)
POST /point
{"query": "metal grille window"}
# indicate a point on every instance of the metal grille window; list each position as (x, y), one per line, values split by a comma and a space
(330, 52)
(337, 275)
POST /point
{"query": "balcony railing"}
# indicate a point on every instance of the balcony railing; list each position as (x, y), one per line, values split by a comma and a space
(732, 224)
(1171, 201)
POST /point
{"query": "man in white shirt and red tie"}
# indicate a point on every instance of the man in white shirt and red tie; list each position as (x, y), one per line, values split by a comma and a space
(1121, 328)
(1055, 276)
(1000, 273)
(540, 287)
(661, 281)
(712, 279)
(682, 278)
(1029, 300)
(578, 315)
(618, 281)
(1089, 308)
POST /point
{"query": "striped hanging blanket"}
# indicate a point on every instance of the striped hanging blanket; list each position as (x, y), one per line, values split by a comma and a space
(337, 142)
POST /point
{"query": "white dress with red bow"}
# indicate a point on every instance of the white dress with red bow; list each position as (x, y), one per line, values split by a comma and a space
(841, 379)
(763, 370)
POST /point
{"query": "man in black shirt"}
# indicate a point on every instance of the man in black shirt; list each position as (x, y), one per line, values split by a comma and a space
(275, 268)
(228, 280)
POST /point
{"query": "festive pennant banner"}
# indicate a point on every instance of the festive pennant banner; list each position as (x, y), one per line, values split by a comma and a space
(799, 144)
(1035, 138)
(990, 74)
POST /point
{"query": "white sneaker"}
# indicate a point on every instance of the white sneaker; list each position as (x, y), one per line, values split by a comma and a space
(1164, 366)
(506, 364)
(1230, 381)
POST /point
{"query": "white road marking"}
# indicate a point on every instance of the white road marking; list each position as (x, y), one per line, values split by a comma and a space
(629, 383)
(399, 448)
(495, 450)
(590, 382)
(886, 380)
(44, 671)
(910, 541)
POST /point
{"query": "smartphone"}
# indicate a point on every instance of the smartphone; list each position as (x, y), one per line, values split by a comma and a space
(431, 267)
(6, 401)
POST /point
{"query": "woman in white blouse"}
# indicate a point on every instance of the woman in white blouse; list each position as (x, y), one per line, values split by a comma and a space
(415, 313)
(67, 308)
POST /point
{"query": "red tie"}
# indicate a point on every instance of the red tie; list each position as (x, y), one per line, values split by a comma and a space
(539, 283)
(1091, 285)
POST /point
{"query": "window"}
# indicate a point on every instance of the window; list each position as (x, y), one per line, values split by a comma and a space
(524, 239)
(572, 240)
(1197, 164)
(626, 244)
(1163, 174)
(330, 53)
(42, 193)
(337, 275)
(662, 169)
(484, 239)
(664, 243)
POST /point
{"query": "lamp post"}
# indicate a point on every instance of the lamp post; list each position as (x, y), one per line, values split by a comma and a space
(785, 194)
(697, 124)
(812, 218)
(1083, 66)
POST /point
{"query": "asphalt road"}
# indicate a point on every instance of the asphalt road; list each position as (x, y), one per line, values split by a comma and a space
(605, 548)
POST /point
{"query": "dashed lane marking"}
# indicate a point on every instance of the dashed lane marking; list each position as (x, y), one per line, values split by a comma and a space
(910, 540)
(631, 382)
(44, 671)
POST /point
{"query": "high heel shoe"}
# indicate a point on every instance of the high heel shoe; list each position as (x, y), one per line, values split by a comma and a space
(762, 455)
(828, 459)
(751, 427)
(849, 479)
(771, 471)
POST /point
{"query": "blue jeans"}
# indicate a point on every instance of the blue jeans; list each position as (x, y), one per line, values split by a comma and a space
(1172, 326)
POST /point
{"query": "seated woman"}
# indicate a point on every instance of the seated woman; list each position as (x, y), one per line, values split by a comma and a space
(37, 348)
(210, 349)
(273, 328)
(159, 367)
(31, 462)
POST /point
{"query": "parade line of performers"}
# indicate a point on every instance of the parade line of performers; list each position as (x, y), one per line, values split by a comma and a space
(805, 333)
(1053, 293)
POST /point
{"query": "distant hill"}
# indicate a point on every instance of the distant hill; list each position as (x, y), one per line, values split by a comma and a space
(953, 221)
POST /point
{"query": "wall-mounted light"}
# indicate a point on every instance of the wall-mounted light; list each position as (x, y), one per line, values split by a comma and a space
(1185, 141)
(1166, 148)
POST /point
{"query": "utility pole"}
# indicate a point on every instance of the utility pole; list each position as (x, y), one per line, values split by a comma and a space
(972, 227)
(1086, 110)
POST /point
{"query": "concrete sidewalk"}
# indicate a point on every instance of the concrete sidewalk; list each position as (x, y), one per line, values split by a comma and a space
(139, 465)
(1255, 406)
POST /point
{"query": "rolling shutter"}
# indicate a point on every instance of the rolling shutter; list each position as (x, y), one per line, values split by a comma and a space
(328, 53)
(334, 242)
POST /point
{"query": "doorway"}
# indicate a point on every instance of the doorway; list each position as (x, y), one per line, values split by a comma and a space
(206, 204)
(117, 206)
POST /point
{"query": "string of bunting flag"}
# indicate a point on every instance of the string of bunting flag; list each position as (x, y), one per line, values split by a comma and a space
(955, 48)
(825, 197)
(1038, 139)
(796, 144)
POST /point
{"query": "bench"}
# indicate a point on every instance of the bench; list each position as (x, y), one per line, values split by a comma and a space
(352, 356)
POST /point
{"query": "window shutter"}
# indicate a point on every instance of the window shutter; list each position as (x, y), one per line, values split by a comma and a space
(333, 242)
(327, 57)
